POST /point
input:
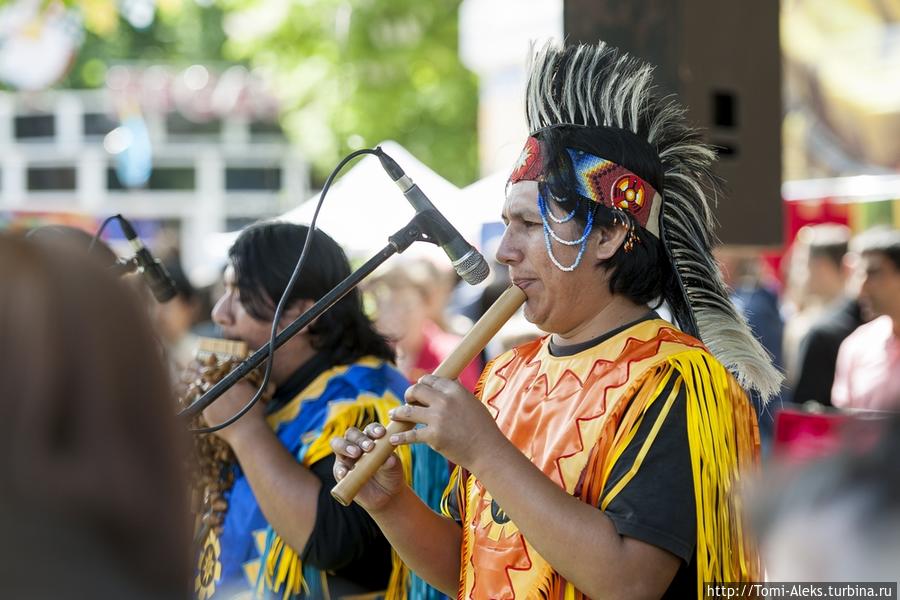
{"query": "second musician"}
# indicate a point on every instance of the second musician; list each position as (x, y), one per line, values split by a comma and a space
(282, 534)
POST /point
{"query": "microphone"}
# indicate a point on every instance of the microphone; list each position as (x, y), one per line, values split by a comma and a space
(467, 261)
(155, 274)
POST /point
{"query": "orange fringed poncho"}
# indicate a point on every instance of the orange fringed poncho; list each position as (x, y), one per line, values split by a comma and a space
(574, 416)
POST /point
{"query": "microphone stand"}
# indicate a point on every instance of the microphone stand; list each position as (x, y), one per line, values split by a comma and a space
(419, 229)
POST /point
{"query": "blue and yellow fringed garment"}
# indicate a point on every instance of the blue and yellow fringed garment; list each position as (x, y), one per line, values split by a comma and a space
(574, 417)
(249, 558)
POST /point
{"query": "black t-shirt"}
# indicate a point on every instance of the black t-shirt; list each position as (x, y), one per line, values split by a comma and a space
(818, 352)
(657, 506)
(345, 543)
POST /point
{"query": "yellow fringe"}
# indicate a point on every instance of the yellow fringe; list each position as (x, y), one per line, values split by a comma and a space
(715, 403)
(452, 488)
(651, 437)
(359, 413)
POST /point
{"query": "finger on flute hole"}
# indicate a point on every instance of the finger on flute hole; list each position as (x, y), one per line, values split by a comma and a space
(374, 430)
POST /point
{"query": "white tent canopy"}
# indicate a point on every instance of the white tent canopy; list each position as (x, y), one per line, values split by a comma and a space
(365, 206)
(483, 205)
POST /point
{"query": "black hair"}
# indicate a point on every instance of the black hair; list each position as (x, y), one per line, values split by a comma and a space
(264, 257)
(644, 273)
(832, 252)
(880, 240)
(827, 241)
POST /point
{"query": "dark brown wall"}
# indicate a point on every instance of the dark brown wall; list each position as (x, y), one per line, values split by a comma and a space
(722, 57)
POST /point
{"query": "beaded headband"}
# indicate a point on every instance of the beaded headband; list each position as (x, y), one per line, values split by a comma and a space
(601, 181)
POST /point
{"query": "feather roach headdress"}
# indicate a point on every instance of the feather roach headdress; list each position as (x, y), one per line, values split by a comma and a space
(652, 172)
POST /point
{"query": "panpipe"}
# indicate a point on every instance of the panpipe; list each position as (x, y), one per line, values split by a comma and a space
(213, 461)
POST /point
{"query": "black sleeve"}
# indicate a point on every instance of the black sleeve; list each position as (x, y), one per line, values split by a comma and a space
(453, 497)
(657, 506)
(816, 362)
(341, 534)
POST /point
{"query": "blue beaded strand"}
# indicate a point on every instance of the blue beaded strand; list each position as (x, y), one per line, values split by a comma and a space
(548, 233)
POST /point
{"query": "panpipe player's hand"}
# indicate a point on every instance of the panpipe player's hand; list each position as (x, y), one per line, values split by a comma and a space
(189, 378)
(388, 480)
(451, 420)
(228, 404)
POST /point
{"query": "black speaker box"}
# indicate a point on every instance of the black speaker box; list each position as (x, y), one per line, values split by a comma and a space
(722, 58)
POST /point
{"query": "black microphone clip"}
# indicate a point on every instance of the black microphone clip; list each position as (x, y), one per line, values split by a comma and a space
(467, 261)
(154, 272)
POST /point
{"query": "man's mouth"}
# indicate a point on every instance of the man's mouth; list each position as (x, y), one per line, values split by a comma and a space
(522, 283)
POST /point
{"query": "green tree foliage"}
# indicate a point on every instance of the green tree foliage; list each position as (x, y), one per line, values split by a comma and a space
(182, 33)
(352, 74)
(349, 74)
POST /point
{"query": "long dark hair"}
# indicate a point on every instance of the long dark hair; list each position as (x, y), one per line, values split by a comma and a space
(264, 257)
(91, 449)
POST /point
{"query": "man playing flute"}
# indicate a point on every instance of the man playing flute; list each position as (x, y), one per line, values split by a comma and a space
(598, 461)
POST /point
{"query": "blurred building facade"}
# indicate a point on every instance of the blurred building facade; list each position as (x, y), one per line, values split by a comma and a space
(197, 163)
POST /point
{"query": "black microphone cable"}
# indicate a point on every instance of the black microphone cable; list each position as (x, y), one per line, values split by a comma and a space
(103, 225)
(279, 310)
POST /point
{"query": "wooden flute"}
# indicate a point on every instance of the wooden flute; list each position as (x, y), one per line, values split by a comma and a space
(469, 347)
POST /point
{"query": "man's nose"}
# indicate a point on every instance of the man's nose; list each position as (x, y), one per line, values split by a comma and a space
(507, 253)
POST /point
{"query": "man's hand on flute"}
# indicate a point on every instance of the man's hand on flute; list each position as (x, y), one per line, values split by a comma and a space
(450, 420)
(388, 480)
(427, 542)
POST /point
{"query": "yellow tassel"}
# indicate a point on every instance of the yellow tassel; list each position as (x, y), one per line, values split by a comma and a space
(359, 413)
(398, 582)
(283, 568)
(452, 488)
(723, 442)
(717, 404)
(363, 411)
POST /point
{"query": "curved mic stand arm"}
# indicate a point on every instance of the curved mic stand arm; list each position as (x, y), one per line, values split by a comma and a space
(417, 230)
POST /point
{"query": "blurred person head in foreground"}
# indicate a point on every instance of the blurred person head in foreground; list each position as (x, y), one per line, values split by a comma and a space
(837, 519)
(75, 239)
(92, 498)
(78, 240)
